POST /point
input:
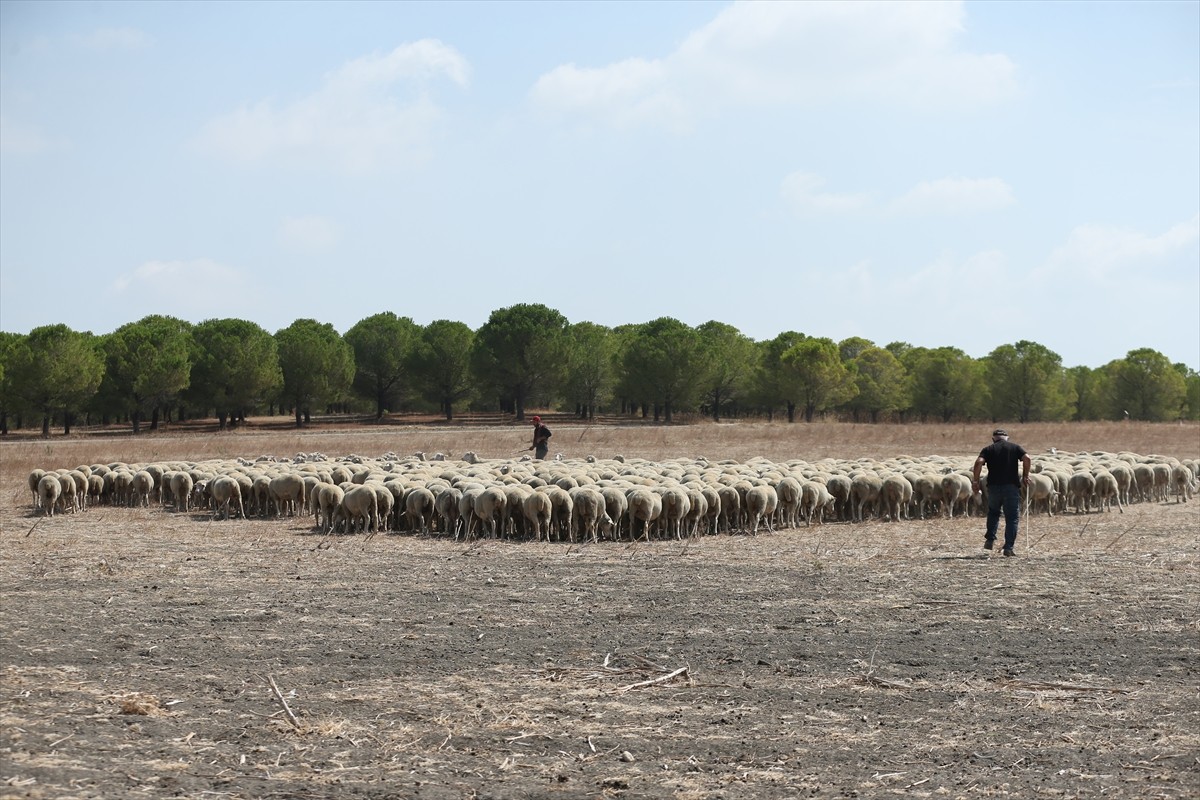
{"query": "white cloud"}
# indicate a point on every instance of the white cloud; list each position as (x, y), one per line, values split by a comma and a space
(625, 94)
(306, 234)
(955, 196)
(949, 287)
(786, 53)
(802, 193)
(178, 274)
(111, 39)
(353, 122)
(18, 139)
(194, 289)
(1098, 252)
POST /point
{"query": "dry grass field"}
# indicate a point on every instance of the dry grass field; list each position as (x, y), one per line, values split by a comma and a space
(148, 653)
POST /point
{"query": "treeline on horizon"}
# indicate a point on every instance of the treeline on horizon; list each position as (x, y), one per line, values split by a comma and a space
(530, 356)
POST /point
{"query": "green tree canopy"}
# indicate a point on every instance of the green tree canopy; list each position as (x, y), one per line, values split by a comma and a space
(520, 352)
(591, 366)
(237, 368)
(1192, 402)
(147, 364)
(823, 379)
(441, 363)
(776, 383)
(1025, 383)
(1085, 390)
(58, 370)
(11, 345)
(947, 383)
(383, 346)
(849, 349)
(666, 359)
(882, 382)
(317, 366)
(1147, 386)
(732, 360)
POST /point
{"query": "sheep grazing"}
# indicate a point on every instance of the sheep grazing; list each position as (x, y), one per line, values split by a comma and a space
(35, 478)
(286, 492)
(328, 498)
(420, 505)
(1041, 491)
(1080, 489)
(895, 495)
(645, 506)
(69, 496)
(140, 488)
(589, 498)
(537, 509)
(226, 495)
(1107, 493)
(588, 511)
(446, 507)
(490, 506)
(359, 510)
(956, 492)
(1183, 483)
(49, 491)
(761, 502)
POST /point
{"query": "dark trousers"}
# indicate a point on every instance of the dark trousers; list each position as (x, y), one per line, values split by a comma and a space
(1006, 498)
(540, 451)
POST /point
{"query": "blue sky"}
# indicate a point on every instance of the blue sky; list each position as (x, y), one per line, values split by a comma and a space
(942, 174)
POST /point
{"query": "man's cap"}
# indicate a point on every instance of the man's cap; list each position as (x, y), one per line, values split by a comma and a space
(537, 419)
(999, 432)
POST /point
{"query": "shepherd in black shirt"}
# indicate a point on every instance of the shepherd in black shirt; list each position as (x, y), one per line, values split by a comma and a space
(1003, 487)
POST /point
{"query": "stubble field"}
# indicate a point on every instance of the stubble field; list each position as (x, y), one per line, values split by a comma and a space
(147, 653)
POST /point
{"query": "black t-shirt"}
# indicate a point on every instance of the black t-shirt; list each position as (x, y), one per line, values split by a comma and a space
(540, 434)
(1003, 459)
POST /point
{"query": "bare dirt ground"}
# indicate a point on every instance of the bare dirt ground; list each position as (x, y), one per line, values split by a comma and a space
(141, 649)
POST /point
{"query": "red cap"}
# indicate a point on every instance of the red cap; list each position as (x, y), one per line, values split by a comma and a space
(537, 419)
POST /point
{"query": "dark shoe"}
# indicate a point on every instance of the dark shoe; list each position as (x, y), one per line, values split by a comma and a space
(987, 544)
(1008, 551)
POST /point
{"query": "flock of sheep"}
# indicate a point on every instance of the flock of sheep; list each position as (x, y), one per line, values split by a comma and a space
(586, 499)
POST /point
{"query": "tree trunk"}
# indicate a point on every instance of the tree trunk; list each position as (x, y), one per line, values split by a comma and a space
(46, 426)
(66, 423)
(791, 411)
(299, 422)
(154, 418)
(717, 405)
(136, 418)
(221, 420)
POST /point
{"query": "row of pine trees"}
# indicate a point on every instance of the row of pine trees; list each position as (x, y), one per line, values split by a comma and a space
(529, 355)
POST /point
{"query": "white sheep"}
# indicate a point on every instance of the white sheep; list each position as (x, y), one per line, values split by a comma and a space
(588, 512)
(226, 495)
(49, 493)
(359, 509)
(420, 505)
